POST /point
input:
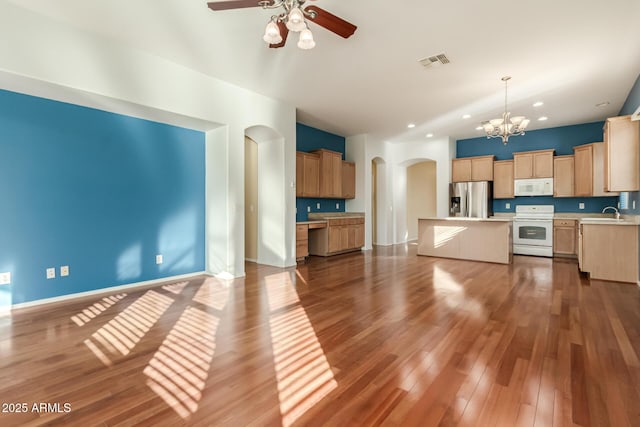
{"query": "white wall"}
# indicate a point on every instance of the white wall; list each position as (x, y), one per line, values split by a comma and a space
(78, 67)
(392, 217)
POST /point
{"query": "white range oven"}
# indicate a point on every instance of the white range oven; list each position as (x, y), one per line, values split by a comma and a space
(533, 230)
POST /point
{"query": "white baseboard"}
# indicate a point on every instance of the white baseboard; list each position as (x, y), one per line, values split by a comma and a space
(101, 291)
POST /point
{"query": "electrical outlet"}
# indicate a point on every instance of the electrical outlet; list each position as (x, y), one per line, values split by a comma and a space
(317, 205)
(51, 273)
(308, 208)
(159, 259)
(64, 271)
(337, 205)
(580, 205)
(5, 278)
(507, 205)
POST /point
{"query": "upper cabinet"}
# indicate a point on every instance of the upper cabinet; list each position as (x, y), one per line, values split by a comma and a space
(563, 176)
(307, 175)
(622, 154)
(330, 173)
(348, 180)
(503, 179)
(589, 170)
(533, 164)
(472, 169)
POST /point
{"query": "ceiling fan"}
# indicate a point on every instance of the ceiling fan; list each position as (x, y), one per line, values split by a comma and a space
(292, 18)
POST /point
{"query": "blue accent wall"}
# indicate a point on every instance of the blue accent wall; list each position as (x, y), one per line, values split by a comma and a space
(309, 139)
(633, 100)
(100, 192)
(562, 140)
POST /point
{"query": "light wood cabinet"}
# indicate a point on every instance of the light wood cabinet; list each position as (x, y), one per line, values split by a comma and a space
(622, 154)
(533, 164)
(330, 173)
(302, 241)
(341, 235)
(609, 252)
(479, 168)
(348, 180)
(589, 170)
(565, 237)
(503, 179)
(307, 175)
(563, 176)
(461, 170)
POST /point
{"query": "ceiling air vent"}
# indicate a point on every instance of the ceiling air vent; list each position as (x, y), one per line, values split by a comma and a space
(434, 61)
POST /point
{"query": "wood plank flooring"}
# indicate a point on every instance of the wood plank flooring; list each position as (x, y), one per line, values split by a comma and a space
(378, 338)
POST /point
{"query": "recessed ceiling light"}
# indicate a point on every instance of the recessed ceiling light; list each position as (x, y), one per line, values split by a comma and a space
(411, 125)
(538, 104)
(479, 128)
(466, 116)
(543, 118)
(429, 135)
(602, 104)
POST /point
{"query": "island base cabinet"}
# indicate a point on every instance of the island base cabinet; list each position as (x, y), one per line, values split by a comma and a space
(609, 252)
(489, 241)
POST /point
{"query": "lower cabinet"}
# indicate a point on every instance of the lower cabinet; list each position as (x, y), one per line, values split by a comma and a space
(302, 241)
(609, 252)
(341, 235)
(565, 237)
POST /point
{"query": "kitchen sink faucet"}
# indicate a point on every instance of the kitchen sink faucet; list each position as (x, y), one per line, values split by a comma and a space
(615, 209)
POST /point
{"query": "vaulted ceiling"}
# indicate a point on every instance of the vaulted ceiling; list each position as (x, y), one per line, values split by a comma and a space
(569, 54)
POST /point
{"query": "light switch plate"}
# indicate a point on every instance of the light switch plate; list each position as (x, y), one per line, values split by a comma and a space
(507, 206)
(308, 208)
(317, 205)
(64, 271)
(159, 259)
(337, 205)
(580, 205)
(51, 273)
(5, 278)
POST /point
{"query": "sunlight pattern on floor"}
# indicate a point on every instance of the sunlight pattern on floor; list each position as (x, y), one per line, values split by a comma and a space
(125, 330)
(175, 288)
(96, 309)
(179, 369)
(213, 293)
(302, 370)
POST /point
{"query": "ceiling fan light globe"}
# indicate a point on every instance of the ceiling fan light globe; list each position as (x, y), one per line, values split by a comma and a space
(272, 33)
(295, 20)
(306, 40)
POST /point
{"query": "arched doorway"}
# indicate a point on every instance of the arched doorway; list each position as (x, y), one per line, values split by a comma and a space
(265, 200)
(421, 195)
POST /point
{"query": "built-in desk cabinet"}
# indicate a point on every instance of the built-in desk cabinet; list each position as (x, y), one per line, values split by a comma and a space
(563, 176)
(622, 154)
(533, 164)
(307, 175)
(330, 173)
(341, 235)
(503, 179)
(478, 168)
(348, 180)
(302, 241)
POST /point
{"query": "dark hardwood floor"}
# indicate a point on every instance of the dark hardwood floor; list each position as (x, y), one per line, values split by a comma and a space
(378, 338)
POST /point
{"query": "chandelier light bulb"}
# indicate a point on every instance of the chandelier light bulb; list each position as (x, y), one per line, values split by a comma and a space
(272, 33)
(306, 40)
(295, 20)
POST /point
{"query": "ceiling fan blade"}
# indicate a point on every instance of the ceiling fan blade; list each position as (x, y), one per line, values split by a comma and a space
(233, 4)
(284, 32)
(331, 22)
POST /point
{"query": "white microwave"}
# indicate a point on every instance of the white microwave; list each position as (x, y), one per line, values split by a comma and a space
(533, 187)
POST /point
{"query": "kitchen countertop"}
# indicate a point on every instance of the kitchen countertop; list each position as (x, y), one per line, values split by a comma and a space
(323, 216)
(621, 221)
(460, 218)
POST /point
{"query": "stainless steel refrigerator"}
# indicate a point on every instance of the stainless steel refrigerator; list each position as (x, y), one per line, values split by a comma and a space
(471, 199)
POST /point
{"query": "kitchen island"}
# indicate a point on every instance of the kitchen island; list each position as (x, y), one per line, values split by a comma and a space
(477, 239)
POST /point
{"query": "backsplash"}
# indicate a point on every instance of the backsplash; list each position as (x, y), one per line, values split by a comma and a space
(326, 205)
(564, 204)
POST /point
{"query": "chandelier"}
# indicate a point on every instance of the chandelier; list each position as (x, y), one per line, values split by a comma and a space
(294, 19)
(506, 126)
